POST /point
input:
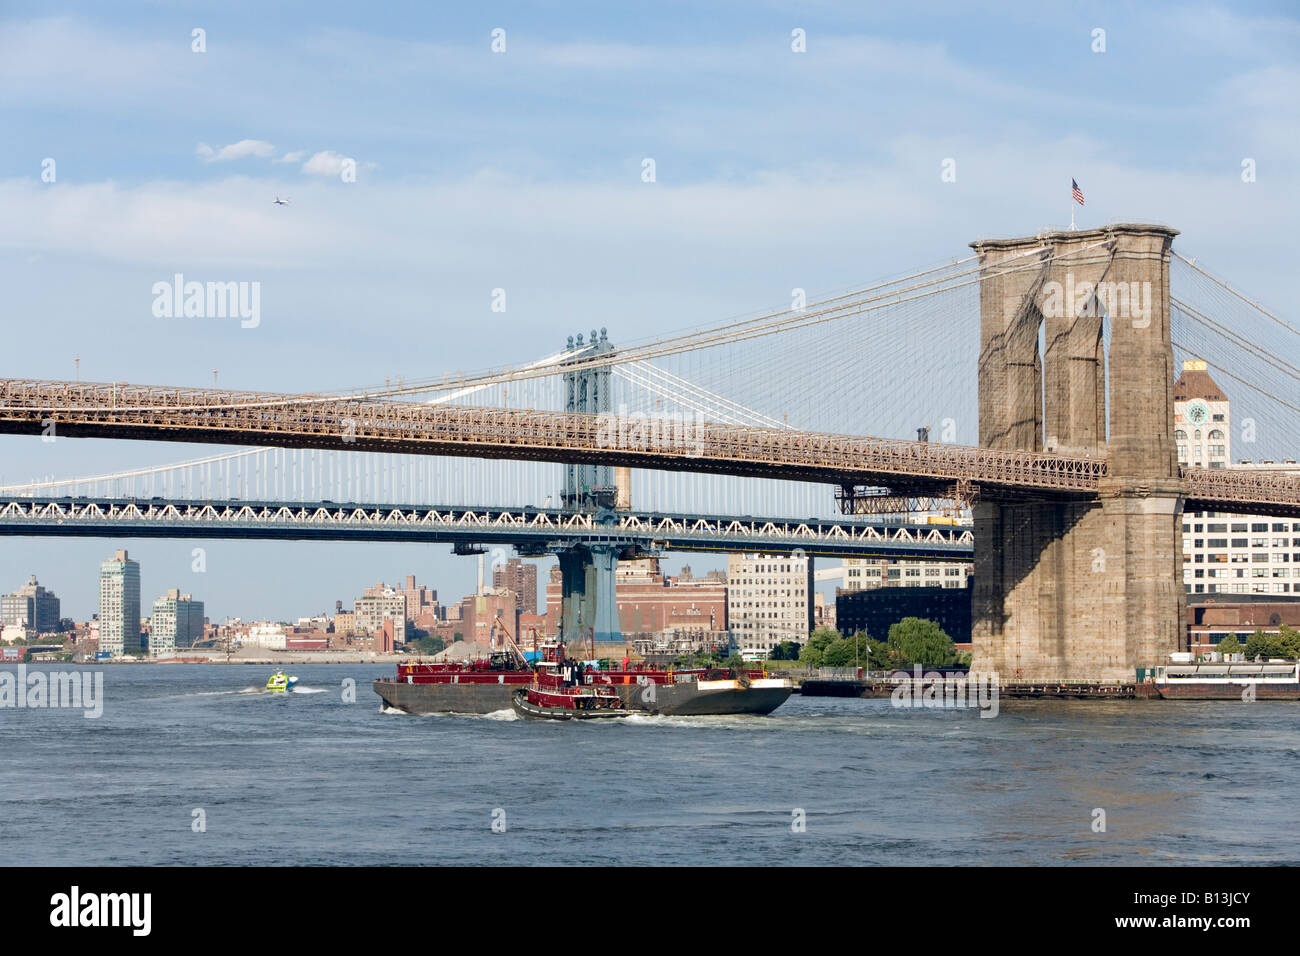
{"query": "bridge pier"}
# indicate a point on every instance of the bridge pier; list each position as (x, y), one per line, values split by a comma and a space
(588, 596)
(1086, 589)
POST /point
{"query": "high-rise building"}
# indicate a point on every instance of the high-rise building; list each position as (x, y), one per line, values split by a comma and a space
(421, 601)
(119, 605)
(769, 600)
(521, 578)
(865, 574)
(1228, 553)
(380, 604)
(874, 610)
(31, 606)
(177, 622)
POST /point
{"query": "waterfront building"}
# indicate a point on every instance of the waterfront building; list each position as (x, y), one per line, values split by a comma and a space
(1228, 553)
(520, 577)
(769, 600)
(31, 606)
(482, 619)
(119, 605)
(177, 621)
(16, 632)
(1211, 619)
(379, 604)
(654, 608)
(421, 601)
(866, 573)
(873, 611)
(268, 635)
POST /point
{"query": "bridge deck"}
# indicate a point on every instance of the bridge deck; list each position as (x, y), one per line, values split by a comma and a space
(533, 528)
(117, 410)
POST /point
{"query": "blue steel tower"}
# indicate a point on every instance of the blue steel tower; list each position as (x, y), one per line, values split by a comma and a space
(589, 605)
(587, 391)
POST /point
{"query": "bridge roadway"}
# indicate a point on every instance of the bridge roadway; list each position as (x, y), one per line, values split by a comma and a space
(152, 413)
(535, 529)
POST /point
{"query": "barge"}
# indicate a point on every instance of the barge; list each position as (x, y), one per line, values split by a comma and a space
(487, 685)
(1272, 680)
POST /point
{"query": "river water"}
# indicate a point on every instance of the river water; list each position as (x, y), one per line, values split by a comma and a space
(311, 778)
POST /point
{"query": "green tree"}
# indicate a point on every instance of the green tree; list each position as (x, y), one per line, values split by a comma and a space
(786, 651)
(1285, 643)
(916, 640)
(1230, 645)
(818, 641)
(426, 644)
(700, 659)
(1260, 645)
(1290, 640)
(849, 651)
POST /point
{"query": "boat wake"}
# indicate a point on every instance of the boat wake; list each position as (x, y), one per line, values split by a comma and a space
(210, 693)
(494, 715)
(713, 721)
(307, 690)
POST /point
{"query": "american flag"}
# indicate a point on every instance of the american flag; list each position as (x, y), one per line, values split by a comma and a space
(1076, 192)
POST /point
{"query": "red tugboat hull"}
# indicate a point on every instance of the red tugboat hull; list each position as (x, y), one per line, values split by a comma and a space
(532, 711)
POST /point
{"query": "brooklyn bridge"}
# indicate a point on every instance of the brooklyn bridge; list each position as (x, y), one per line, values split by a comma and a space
(1051, 357)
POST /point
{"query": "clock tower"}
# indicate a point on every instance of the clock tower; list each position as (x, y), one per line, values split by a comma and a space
(1202, 423)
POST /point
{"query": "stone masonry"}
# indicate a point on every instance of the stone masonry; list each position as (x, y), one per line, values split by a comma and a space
(1091, 589)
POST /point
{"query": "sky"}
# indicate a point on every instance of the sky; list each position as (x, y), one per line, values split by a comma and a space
(128, 155)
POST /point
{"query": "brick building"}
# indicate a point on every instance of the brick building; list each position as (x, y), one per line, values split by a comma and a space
(520, 577)
(651, 602)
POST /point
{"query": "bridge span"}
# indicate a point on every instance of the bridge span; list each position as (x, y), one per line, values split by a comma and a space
(533, 530)
(157, 413)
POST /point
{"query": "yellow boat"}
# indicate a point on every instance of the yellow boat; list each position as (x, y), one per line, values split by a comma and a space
(280, 684)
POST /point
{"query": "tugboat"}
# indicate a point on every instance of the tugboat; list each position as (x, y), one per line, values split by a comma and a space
(557, 694)
(280, 684)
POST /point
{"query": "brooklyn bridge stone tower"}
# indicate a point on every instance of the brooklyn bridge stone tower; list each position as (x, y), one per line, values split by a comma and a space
(1089, 588)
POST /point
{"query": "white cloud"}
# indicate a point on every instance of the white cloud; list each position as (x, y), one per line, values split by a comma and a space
(325, 163)
(294, 157)
(245, 147)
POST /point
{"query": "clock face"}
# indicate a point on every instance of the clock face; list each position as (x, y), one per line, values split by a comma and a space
(1197, 413)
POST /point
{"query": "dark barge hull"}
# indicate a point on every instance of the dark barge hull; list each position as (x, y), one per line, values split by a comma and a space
(680, 700)
(686, 700)
(1194, 691)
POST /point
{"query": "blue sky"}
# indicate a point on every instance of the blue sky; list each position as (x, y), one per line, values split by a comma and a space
(521, 170)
